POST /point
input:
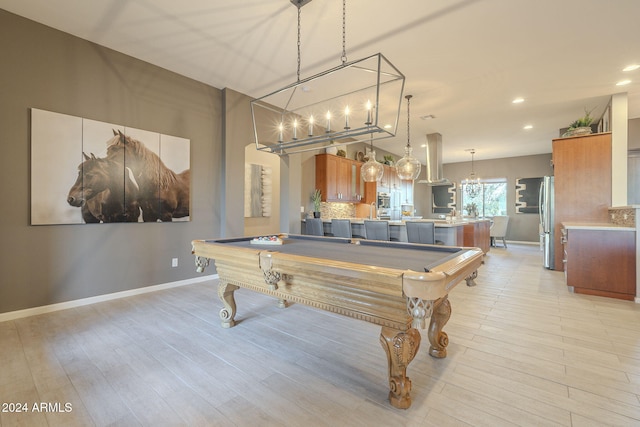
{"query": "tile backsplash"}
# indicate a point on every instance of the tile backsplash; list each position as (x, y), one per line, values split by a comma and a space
(623, 216)
(337, 210)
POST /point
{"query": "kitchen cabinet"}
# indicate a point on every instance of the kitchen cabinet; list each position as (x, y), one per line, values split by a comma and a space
(339, 180)
(390, 181)
(582, 169)
(406, 187)
(367, 190)
(477, 234)
(600, 261)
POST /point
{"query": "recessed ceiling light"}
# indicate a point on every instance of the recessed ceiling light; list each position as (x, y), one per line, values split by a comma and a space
(518, 100)
(423, 146)
(527, 127)
(631, 67)
(387, 126)
(623, 82)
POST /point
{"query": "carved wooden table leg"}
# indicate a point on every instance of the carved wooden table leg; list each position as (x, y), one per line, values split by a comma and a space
(228, 312)
(439, 339)
(201, 263)
(401, 347)
(471, 279)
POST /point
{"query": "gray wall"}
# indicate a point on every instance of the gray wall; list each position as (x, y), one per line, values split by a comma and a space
(522, 227)
(634, 134)
(51, 70)
(237, 133)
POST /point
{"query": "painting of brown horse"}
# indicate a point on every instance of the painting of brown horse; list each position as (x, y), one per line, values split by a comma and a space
(163, 194)
(89, 171)
(105, 191)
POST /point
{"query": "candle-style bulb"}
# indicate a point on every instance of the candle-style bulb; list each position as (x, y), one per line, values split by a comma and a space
(328, 127)
(346, 118)
(295, 129)
(280, 128)
(310, 125)
(369, 121)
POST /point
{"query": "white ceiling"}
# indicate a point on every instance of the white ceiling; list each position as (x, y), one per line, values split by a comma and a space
(464, 61)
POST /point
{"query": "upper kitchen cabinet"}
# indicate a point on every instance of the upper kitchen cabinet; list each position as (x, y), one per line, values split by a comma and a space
(582, 169)
(339, 180)
(390, 181)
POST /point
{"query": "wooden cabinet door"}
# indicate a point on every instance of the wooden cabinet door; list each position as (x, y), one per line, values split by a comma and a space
(601, 262)
(337, 178)
(386, 182)
(368, 190)
(582, 169)
(395, 179)
(327, 177)
(357, 184)
(406, 187)
(343, 179)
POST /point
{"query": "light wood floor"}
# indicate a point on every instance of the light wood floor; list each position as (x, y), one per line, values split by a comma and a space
(523, 351)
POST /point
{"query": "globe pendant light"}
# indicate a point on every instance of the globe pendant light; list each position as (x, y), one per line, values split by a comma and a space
(408, 167)
(372, 170)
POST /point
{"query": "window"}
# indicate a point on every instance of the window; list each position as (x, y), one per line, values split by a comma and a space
(490, 201)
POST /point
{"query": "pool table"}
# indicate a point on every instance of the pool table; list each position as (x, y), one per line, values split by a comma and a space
(391, 284)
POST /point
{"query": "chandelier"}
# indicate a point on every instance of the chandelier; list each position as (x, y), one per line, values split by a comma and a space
(408, 167)
(472, 183)
(353, 102)
(372, 170)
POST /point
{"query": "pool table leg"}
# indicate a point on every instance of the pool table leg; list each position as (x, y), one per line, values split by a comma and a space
(401, 347)
(437, 337)
(228, 312)
(471, 279)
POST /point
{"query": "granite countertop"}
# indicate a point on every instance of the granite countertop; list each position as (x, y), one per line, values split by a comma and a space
(439, 223)
(604, 226)
(626, 207)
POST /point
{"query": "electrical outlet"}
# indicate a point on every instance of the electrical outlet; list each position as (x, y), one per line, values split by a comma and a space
(174, 262)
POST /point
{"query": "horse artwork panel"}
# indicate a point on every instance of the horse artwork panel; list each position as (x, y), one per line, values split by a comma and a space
(163, 194)
(110, 172)
(105, 190)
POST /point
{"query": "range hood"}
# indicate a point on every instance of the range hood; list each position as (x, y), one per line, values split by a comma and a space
(434, 161)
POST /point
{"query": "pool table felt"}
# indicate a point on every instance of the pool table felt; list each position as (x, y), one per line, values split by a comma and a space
(400, 256)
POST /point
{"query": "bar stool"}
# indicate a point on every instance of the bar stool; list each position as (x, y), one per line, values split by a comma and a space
(341, 228)
(376, 230)
(421, 232)
(314, 227)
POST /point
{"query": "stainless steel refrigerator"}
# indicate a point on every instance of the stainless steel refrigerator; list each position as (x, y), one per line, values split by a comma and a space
(545, 204)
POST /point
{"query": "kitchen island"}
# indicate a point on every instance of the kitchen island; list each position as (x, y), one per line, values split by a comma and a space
(464, 232)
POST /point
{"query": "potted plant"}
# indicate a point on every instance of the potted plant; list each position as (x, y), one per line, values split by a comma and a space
(581, 126)
(472, 209)
(316, 198)
(388, 159)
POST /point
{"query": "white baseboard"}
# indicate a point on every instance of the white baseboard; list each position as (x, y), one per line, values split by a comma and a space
(18, 314)
(523, 242)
